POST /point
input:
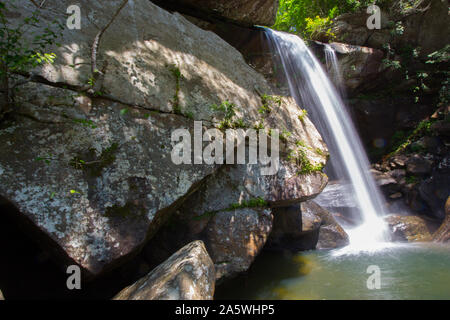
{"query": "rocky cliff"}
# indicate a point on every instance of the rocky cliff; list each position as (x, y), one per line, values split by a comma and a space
(87, 165)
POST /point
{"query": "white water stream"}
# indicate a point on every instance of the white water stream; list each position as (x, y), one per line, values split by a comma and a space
(313, 91)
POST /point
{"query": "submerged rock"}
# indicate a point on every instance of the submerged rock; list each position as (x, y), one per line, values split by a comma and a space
(187, 275)
(407, 228)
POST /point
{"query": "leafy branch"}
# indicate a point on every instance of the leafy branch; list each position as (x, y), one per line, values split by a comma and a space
(22, 48)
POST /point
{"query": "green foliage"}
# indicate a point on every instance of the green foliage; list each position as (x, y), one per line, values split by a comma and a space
(284, 135)
(176, 100)
(267, 103)
(47, 159)
(23, 47)
(401, 141)
(228, 109)
(300, 158)
(189, 114)
(18, 53)
(86, 123)
(302, 115)
(251, 203)
(309, 17)
(442, 57)
(411, 179)
(317, 25)
(258, 126)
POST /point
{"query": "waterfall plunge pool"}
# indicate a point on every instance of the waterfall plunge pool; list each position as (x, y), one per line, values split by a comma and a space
(408, 271)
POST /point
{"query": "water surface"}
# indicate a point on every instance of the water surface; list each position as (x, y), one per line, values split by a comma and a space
(408, 271)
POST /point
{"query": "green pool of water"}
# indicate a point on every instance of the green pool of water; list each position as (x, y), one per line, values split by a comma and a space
(407, 271)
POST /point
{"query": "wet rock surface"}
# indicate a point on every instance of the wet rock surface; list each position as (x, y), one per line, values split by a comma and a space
(407, 228)
(306, 226)
(187, 275)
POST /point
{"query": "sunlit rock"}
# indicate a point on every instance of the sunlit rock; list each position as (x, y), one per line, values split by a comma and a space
(187, 275)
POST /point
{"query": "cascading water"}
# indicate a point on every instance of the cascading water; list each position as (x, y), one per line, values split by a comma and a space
(333, 67)
(310, 86)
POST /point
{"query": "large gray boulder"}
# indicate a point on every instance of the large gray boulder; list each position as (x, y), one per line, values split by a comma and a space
(187, 275)
(95, 183)
(243, 12)
(89, 163)
(231, 212)
(234, 238)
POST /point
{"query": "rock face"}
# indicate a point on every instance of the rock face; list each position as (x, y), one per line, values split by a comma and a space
(331, 234)
(231, 213)
(243, 12)
(427, 26)
(97, 192)
(435, 189)
(407, 228)
(421, 180)
(187, 275)
(360, 66)
(235, 238)
(443, 233)
(89, 162)
(304, 227)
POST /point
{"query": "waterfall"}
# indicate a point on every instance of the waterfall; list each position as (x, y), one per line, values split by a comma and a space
(312, 89)
(333, 68)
